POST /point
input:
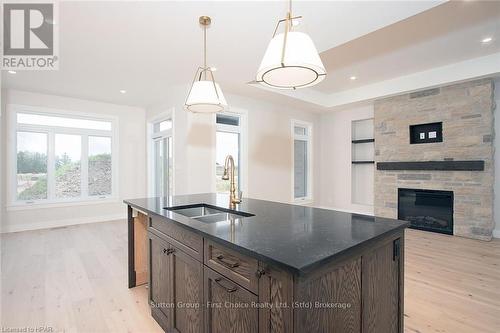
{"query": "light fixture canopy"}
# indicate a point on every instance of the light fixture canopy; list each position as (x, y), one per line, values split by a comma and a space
(291, 60)
(205, 95)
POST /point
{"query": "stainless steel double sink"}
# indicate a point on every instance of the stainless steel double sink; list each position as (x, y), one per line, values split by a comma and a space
(208, 214)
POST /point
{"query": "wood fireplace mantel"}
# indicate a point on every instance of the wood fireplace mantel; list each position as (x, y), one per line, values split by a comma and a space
(433, 165)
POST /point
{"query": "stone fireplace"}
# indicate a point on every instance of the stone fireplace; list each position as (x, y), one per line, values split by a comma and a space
(461, 163)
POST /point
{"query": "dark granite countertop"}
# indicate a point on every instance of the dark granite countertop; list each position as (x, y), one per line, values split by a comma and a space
(297, 238)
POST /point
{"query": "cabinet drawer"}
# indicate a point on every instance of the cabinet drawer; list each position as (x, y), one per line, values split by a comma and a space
(230, 308)
(186, 240)
(236, 266)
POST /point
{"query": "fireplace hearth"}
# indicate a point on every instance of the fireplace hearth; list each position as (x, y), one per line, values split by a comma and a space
(429, 210)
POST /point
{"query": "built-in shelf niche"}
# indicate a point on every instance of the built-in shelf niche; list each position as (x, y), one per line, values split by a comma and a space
(362, 162)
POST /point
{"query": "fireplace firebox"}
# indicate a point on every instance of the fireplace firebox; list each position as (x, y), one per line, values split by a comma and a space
(429, 210)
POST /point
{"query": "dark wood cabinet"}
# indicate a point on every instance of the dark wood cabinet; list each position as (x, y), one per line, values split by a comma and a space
(381, 289)
(213, 288)
(186, 283)
(230, 307)
(276, 289)
(175, 287)
(367, 286)
(160, 291)
(331, 298)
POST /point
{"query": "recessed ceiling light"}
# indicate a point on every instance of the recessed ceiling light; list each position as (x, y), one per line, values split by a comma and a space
(486, 40)
(12, 72)
(353, 78)
(123, 91)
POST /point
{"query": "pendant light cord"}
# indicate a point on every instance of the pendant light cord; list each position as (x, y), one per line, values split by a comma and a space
(288, 24)
(289, 16)
(205, 51)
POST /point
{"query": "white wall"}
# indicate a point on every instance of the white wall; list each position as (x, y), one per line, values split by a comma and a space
(496, 187)
(269, 149)
(2, 151)
(131, 164)
(335, 187)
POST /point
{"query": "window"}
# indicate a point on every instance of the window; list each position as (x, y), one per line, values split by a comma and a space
(32, 166)
(61, 157)
(68, 175)
(99, 165)
(45, 120)
(302, 185)
(163, 125)
(162, 150)
(227, 142)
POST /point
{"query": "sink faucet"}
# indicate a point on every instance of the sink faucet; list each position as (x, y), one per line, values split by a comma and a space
(233, 199)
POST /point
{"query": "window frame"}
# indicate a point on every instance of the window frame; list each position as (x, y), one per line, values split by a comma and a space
(152, 136)
(13, 128)
(308, 138)
(242, 130)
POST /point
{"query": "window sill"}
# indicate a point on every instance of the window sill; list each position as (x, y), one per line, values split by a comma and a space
(303, 201)
(60, 204)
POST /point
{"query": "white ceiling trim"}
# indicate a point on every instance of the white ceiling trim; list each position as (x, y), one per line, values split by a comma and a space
(438, 76)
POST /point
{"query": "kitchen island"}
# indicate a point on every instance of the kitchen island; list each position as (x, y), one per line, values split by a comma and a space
(264, 266)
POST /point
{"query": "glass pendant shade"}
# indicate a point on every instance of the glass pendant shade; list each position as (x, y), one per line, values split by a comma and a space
(205, 97)
(291, 64)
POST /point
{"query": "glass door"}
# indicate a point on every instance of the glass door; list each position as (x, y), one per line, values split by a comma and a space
(162, 161)
(163, 166)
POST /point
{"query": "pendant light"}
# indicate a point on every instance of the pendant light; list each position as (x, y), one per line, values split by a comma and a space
(205, 95)
(291, 60)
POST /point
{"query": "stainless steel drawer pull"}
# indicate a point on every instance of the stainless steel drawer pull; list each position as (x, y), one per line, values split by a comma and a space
(220, 257)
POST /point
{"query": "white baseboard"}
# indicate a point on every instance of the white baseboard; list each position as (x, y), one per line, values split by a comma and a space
(496, 233)
(60, 223)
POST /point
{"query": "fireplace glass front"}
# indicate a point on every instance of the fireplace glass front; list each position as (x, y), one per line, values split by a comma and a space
(429, 210)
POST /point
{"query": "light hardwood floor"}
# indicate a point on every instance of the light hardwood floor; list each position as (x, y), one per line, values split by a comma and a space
(74, 279)
(452, 284)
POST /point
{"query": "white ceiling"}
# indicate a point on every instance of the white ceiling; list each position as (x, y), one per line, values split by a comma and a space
(447, 34)
(145, 47)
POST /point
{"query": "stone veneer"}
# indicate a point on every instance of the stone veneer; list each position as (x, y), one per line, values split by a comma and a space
(466, 110)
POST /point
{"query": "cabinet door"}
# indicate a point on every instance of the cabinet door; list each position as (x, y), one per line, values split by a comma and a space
(339, 283)
(229, 306)
(275, 288)
(186, 278)
(159, 284)
(382, 288)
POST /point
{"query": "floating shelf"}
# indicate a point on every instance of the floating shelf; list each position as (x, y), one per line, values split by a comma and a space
(433, 165)
(363, 162)
(363, 141)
